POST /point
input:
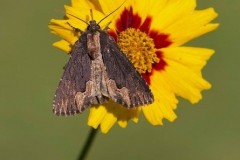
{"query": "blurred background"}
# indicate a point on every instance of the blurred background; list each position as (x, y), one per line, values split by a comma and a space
(30, 69)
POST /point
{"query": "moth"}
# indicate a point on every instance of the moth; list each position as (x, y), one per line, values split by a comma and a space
(96, 72)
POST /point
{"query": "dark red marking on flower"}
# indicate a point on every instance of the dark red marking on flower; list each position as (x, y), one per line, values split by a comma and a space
(145, 27)
(128, 20)
(155, 67)
(161, 40)
(162, 64)
(146, 77)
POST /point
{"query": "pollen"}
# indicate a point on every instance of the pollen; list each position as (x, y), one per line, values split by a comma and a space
(139, 49)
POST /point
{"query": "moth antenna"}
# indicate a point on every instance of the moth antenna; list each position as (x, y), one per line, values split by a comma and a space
(111, 12)
(78, 18)
(76, 29)
(91, 13)
(106, 28)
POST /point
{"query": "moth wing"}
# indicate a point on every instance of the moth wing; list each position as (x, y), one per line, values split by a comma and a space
(121, 72)
(73, 94)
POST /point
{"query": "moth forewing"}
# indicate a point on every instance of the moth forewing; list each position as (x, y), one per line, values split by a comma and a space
(96, 72)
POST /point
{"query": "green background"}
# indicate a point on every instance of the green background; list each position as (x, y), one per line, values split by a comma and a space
(30, 69)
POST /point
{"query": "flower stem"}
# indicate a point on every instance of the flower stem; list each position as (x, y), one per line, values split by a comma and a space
(88, 144)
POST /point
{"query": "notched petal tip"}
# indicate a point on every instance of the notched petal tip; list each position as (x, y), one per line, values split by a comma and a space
(108, 114)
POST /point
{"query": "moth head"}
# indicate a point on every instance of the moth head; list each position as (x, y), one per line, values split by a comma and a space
(93, 26)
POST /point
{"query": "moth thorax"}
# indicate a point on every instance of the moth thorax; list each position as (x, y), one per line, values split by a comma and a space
(93, 45)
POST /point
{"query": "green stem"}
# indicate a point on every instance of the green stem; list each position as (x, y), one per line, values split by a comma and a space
(88, 144)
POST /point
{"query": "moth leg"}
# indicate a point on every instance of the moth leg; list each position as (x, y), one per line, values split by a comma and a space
(106, 28)
(75, 29)
(65, 66)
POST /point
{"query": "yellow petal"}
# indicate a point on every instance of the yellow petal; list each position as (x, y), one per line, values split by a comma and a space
(96, 115)
(109, 7)
(124, 115)
(67, 35)
(83, 14)
(108, 121)
(108, 114)
(82, 4)
(122, 123)
(164, 101)
(140, 8)
(97, 5)
(191, 57)
(191, 26)
(60, 28)
(146, 8)
(60, 24)
(155, 6)
(63, 45)
(184, 82)
(172, 11)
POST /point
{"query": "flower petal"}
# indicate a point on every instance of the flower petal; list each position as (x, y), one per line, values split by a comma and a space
(108, 114)
(59, 24)
(108, 121)
(191, 26)
(164, 101)
(172, 11)
(83, 14)
(148, 7)
(184, 82)
(61, 28)
(126, 114)
(108, 6)
(152, 10)
(63, 45)
(82, 4)
(96, 115)
(191, 57)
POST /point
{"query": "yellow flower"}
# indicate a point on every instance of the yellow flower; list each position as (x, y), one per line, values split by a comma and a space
(152, 34)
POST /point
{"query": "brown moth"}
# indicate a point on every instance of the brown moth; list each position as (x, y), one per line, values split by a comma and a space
(96, 72)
